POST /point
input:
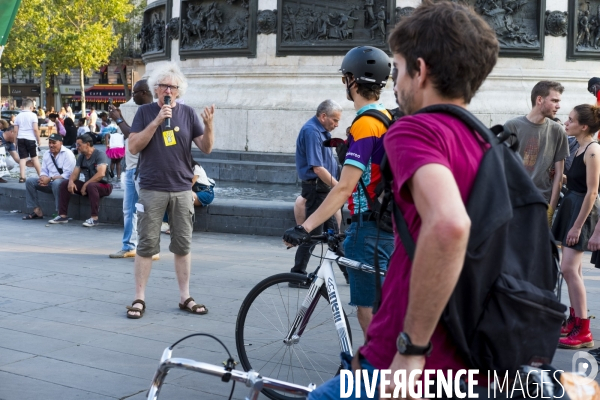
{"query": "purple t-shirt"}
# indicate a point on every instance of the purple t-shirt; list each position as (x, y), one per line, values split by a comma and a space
(412, 142)
(162, 167)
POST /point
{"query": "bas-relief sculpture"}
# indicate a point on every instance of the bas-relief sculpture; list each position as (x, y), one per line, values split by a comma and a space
(518, 24)
(332, 26)
(217, 28)
(556, 23)
(173, 29)
(266, 22)
(153, 34)
(584, 30)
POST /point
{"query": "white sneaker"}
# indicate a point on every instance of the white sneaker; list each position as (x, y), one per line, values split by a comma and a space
(164, 227)
(91, 222)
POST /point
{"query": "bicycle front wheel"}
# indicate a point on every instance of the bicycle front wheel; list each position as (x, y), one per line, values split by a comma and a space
(264, 321)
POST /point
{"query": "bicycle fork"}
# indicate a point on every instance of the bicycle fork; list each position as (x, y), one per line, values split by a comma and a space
(324, 276)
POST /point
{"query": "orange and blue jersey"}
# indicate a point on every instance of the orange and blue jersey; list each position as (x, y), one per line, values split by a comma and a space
(365, 151)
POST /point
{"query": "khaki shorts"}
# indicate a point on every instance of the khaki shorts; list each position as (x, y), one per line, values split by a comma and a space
(151, 208)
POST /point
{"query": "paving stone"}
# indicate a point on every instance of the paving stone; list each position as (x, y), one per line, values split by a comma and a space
(18, 387)
(78, 376)
(63, 320)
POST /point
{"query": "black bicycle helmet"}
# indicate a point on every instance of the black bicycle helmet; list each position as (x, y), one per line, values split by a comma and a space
(369, 65)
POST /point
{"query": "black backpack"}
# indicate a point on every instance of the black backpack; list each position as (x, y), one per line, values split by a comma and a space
(383, 218)
(503, 312)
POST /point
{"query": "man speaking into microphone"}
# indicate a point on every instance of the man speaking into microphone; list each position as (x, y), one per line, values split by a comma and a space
(162, 133)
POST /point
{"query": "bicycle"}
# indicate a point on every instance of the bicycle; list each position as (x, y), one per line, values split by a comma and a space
(251, 379)
(277, 326)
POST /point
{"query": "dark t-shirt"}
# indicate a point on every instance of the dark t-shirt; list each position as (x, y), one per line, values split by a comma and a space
(162, 167)
(89, 166)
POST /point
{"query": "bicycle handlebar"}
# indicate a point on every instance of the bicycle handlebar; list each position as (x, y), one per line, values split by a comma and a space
(251, 379)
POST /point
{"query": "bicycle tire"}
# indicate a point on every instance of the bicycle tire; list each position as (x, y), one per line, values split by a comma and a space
(253, 326)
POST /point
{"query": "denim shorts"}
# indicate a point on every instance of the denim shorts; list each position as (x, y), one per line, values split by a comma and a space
(360, 246)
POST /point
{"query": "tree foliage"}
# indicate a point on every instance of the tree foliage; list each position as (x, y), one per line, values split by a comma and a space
(80, 35)
(27, 44)
(86, 33)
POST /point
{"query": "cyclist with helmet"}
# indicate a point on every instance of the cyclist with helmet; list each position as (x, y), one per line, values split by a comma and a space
(365, 71)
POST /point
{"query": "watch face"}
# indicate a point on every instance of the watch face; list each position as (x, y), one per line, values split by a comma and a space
(402, 344)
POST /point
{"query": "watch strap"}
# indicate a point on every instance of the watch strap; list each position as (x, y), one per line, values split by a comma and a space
(119, 120)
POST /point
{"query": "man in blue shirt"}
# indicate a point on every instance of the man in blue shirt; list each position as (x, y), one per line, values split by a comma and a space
(318, 170)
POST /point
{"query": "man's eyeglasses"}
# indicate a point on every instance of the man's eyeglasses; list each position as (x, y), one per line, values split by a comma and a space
(394, 74)
(165, 87)
(139, 91)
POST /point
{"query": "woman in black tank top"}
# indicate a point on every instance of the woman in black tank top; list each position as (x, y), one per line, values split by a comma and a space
(575, 221)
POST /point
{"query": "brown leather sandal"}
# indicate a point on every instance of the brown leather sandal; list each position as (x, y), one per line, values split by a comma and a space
(192, 310)
(136, 309)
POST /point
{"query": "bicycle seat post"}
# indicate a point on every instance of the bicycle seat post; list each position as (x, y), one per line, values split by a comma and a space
(255, 383)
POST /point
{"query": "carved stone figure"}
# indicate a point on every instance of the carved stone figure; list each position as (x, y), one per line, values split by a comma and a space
(370, 17)
(380, 25)
(158, 31)
(403, 12)
(173, 29)
(220, 24)
(556, 23)
(266, 22)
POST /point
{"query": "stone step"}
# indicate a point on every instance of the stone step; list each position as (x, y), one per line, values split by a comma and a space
(252, 167)
(279, 158)
(227, 214)
(250, 171)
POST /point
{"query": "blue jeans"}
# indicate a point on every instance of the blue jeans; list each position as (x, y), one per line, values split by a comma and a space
(331, 389)
(130, 197)
(359, 245)
(32, 187)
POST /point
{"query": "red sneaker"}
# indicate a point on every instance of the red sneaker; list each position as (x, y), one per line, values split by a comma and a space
(569, 324)
(579, 337)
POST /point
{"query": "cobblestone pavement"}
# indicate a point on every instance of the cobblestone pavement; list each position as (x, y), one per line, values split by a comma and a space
(63, 330)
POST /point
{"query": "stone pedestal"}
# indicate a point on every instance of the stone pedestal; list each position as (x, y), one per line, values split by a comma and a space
(262, 102)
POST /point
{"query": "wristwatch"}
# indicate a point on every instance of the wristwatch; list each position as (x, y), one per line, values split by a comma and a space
(405, 346)
(118, 121)
(51, 179)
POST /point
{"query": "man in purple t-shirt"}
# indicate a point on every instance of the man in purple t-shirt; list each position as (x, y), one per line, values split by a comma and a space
(162, 133)
(442, 54)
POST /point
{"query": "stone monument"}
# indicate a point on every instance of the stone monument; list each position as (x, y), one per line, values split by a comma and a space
(267, 64)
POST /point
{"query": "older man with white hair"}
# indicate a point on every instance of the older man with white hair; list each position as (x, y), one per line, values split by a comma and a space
(162, 133)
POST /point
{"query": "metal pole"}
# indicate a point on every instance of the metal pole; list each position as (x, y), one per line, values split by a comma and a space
(43, 86)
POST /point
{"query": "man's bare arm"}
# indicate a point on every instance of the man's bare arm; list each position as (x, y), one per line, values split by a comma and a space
(99, 175)
(139, 140)
(559, 167)
(325, 176)
(75, 174)
(336, 198)
(206, 141)
(440, 250)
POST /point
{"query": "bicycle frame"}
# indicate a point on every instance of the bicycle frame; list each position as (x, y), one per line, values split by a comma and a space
(324, 276)
(251, 379)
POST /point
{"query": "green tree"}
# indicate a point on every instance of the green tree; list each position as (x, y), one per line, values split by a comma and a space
(85, 33)
(27, 46)
(128, 47)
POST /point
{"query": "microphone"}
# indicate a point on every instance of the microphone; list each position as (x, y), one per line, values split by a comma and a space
(168, 120)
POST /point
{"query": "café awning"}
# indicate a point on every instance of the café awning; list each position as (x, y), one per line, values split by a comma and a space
(102, 93)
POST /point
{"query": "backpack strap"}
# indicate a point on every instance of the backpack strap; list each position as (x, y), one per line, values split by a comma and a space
(377, 114)
(60, 170)
(369, 199)
(466, 117)
(472, 122)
